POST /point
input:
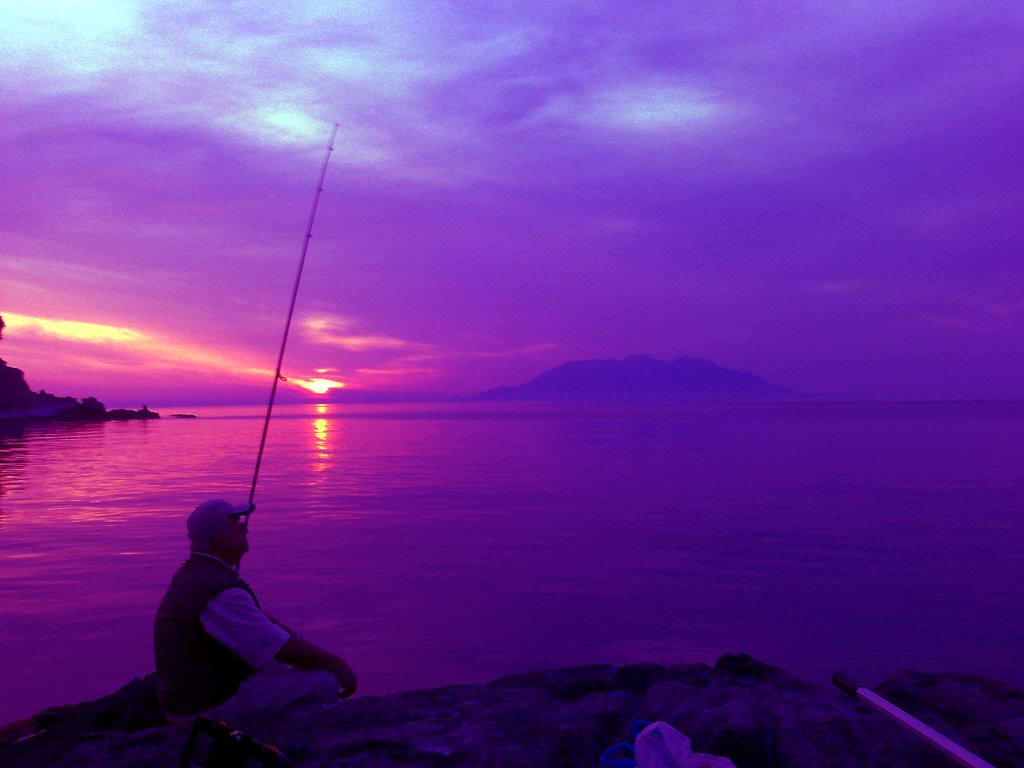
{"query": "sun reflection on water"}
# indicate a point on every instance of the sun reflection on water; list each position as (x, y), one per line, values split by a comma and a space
(320, 435)
(322, 449)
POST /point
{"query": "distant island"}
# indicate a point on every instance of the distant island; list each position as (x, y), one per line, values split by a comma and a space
(19, 403)
(641, 379)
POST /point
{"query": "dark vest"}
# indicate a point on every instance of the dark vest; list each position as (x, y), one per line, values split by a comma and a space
(194, 671)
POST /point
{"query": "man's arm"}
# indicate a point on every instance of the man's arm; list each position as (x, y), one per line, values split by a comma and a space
(281, 624)
(303, 654)
(233, 619)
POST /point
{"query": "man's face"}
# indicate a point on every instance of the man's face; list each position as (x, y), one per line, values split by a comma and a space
(234, 537)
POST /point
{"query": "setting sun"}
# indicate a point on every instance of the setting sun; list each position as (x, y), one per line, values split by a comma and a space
(319, 386)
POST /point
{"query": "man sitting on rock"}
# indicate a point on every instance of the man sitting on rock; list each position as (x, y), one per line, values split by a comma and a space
(217, 653)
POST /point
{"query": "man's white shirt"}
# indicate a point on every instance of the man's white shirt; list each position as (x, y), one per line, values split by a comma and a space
(236, 622)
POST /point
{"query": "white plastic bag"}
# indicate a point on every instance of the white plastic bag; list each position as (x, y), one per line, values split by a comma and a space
(659, 745)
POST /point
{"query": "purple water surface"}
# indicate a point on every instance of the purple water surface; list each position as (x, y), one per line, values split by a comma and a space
(456, 543)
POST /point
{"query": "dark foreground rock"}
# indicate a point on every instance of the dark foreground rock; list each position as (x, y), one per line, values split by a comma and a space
(757, 715)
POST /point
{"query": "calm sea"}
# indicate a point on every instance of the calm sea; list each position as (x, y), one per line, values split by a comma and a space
(456, 543)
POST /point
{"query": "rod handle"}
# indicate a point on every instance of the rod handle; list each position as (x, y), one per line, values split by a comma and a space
(845, 683)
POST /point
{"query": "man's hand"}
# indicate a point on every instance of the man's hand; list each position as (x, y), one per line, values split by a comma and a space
(346, 678)
(303, 654)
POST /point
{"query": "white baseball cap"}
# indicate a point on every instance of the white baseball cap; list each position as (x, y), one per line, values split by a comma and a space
(208, 518)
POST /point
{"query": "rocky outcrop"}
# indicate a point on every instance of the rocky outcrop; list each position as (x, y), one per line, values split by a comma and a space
(126, 414)
(42, 406)
(19, 403)
(756, 715)
(14, 390)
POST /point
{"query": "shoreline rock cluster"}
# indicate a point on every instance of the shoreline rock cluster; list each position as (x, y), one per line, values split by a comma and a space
(754, 714)
(18, 403)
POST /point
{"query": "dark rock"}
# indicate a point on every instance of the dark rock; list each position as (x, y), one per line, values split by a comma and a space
(989, 713)
(183, 416)
(637, 678)
(745, 744)
(755, 714)
(42, 406)
(960, 700)
(742, 666)
(14, 390)
(90, 409)
(43, 738)
(566, 684)
(124, 414)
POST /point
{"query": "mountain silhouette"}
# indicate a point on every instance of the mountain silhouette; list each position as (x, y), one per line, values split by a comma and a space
(641, 379)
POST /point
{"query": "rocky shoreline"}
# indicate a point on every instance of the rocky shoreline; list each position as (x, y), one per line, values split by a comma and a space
(18, 403)
(756, 715)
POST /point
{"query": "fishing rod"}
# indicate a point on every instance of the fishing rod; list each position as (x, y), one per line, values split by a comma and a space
(288, 324)
(945, 745)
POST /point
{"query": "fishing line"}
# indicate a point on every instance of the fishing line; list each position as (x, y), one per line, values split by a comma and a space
(288, 323)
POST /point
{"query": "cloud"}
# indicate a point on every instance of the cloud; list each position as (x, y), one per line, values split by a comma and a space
(331, 331)
(444, 93)
(1004, 308)
(455, 353)
(648, 108)
(530, 349)
(128, 348)
(588, 173)
(78, 331)
(40, 272)
(980, 314)
(378, 360)
(398, 371)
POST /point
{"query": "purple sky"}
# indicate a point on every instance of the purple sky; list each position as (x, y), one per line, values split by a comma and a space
(829, 198)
